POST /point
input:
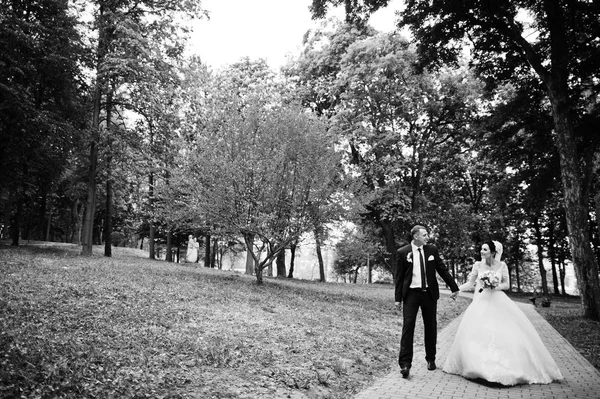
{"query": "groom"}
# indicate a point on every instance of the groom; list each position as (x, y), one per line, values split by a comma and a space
(417, 287)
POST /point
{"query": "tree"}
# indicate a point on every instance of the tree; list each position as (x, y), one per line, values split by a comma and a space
(157, 102)
(258, 161)
(41, 109)
(315, 72)
(124, 54)
(357, 249)
(357, 12)
(288, 159)
(561, 52)
(398, 122)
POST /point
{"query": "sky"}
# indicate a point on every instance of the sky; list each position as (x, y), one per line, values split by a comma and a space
(269, 29)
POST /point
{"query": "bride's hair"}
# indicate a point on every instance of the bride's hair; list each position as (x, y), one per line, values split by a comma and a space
(492, 247)
(495, 249)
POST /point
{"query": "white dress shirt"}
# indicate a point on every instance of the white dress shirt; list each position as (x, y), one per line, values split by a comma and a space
(416, 272)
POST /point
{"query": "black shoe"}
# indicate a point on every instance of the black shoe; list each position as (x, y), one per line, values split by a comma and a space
(404, 370)
(431, 365)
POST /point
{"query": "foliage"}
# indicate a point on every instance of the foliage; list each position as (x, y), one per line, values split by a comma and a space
(356, 249)
(41, 107)
(315, 72)
(502, 33)
(402, 128)
(257, 166)
(553, 43)
(134, 41)
(357, 11)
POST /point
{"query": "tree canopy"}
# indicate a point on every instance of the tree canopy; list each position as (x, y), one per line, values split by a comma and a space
(480, 125)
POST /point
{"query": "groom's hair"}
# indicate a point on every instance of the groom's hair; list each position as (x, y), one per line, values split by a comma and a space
(416, 229)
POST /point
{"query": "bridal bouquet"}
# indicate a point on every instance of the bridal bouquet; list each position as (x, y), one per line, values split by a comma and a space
(489, 279)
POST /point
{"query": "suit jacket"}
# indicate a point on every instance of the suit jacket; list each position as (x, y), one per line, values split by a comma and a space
(433, 264)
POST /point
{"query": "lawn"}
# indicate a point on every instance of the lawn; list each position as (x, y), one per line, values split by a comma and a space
(129, 327)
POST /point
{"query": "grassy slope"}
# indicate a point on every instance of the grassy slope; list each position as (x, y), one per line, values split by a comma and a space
(129, 327)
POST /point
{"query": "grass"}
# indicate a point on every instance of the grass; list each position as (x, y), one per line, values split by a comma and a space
(128, 327)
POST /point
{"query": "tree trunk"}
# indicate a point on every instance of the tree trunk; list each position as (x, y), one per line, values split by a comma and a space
(540, 254)
(249, 239)
(152, 230)
(293, 247)
(562, 273)
(319, 255)
(554, 277)
(76, 222)
(109, 195)
(370, 271)
(108, 219)
(584, 259)
(222, 249)
(49, 225)
(207, 250)
(575, 203)
(87, 233)
(259, 275)
(215, 248)
(151, 248)
(42, 233)
(552, 254)
(169, 254)
(518, 276)
(390, 243)
(597, 206)
(280, 262)
(15, 230)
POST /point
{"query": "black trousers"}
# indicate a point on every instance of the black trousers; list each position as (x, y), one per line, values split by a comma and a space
(416, 299)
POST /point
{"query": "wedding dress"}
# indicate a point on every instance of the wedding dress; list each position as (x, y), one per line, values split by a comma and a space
(495, 340)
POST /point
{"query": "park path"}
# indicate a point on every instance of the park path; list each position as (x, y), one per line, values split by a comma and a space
(581, 379)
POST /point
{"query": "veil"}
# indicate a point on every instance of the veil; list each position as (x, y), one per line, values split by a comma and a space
(499, 248)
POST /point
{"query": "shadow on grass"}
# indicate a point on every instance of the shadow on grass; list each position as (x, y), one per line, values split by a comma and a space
(42, 249)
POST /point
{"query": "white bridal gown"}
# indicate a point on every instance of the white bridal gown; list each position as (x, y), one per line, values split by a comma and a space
(495, 341)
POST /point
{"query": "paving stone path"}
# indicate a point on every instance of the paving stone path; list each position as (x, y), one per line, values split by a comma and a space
(581, 379)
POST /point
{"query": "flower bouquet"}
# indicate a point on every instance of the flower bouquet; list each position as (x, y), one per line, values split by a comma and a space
(489, 279)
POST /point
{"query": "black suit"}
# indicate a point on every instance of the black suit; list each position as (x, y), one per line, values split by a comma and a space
(413, 299)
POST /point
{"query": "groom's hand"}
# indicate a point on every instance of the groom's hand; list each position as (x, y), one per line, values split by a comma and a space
(398, 306)
(454, 295)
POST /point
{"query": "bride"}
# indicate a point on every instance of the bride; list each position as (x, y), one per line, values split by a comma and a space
(495, 341)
